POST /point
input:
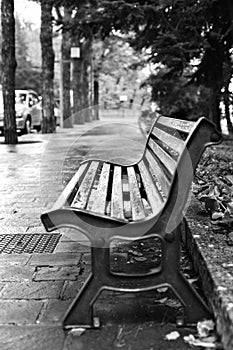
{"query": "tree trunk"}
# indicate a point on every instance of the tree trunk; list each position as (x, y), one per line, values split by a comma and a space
(65, 57)
(96, 94)
(214, 110)
(86, 94)
(227, 110)
(77, 67)
(82, 112)
(8, 70)
(77, 90)
(48, 119)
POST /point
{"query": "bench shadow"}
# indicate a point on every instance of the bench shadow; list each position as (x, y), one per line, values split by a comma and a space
(23, 142)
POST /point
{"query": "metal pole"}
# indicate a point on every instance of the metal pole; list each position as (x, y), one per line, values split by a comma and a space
(61, 94)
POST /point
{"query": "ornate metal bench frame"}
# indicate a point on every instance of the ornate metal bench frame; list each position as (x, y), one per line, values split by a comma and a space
(166, 169)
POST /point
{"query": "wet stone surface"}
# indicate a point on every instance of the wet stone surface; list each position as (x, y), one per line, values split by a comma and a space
(31, 290)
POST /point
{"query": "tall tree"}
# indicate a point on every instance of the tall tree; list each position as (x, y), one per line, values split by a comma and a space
(71, 18)
(182, 30)
(66, 11)
(48, 119)
(175, 32)
(8, 70)
(65, 64)
(77, 82)
(85, 80)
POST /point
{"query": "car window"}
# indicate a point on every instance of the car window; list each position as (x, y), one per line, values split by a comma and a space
(20, 98)
(33, 99)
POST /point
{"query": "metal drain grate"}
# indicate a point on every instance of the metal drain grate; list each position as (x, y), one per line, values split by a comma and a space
(29, 243)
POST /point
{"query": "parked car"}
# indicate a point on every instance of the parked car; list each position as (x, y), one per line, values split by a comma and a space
(27, 111)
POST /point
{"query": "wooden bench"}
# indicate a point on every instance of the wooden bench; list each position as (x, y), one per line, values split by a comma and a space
(106, 201)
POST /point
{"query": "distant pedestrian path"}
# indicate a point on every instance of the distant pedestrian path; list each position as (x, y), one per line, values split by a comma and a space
(34, 172)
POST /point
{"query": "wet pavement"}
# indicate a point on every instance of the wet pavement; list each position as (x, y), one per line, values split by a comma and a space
(37, 288)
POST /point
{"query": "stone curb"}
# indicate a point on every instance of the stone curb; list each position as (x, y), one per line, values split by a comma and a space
(213, 261)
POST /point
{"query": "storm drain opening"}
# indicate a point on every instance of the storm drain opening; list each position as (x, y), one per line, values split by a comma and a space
(29, 243)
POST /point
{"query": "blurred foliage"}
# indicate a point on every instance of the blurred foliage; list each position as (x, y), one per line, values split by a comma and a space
(28, 57)
(176, 98)
(28, 73)
(119, 69)
(178, 33)
(188, 41)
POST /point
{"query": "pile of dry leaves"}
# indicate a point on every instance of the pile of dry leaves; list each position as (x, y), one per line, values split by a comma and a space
(213, 187)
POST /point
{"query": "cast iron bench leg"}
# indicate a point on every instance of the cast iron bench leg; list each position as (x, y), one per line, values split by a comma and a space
(195, 307)
(80, 312)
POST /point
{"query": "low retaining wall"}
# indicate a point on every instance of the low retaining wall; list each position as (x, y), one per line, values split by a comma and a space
(212, 258)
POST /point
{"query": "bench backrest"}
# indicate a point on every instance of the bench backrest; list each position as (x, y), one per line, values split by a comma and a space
(173, 149)
(153, 189)
(165, 144)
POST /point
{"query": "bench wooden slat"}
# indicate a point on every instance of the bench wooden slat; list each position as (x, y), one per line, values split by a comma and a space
(63, 199)
(164, 157)
(126, 197)
(172, 141)
(97, 200)
(181, 125)
(153, 194)
(158, 175)
(117, 196)
(84, 190)
(135, 196)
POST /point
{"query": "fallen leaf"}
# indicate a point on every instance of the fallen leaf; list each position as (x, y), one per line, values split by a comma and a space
(162, 301)
(140, 259)
(77, 331)
(119, 341)
(172, 336)
(162, 289)
(191, 340)
(173, 303)
(217, 215)
(205, 327)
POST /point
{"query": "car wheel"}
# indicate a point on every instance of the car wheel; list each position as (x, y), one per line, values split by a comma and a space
(38, 128)
(27, 126)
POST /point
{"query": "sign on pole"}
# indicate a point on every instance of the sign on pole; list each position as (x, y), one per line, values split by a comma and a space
(123, 98)
(75, 52)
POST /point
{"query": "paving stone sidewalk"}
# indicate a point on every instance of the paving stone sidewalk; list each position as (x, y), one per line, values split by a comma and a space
(37, 288)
